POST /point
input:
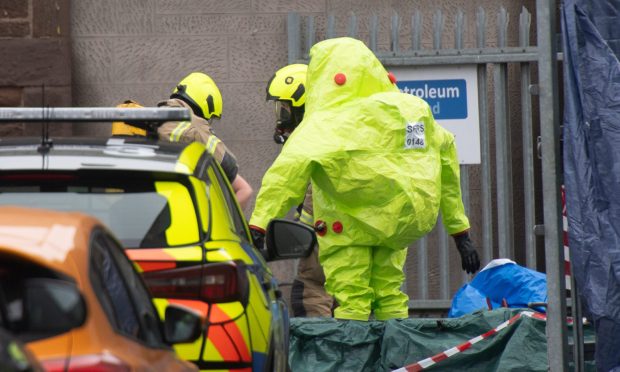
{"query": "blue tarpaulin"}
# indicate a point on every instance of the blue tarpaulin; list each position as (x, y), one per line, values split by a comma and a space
(591, 45)
(501, 281)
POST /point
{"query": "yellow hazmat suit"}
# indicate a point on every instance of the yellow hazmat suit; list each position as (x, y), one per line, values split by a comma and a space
(377, 162)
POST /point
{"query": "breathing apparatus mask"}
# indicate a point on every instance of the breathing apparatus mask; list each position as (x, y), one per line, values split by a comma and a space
(287, 119)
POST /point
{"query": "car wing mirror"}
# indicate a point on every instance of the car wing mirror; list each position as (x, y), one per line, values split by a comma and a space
(52, 306)
(287, 239)
(182, 325)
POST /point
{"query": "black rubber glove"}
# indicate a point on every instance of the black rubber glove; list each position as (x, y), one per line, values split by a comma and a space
(469, 257)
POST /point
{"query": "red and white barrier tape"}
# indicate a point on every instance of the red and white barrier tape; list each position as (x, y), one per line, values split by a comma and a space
(567, 271)
(425, 363)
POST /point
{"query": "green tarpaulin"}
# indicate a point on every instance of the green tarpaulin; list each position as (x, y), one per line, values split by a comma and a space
(320, 344)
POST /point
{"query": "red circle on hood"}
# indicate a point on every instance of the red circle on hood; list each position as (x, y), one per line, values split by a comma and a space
(340, 78)
(392, 78)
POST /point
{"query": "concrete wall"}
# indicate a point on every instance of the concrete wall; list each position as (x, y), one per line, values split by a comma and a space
(35, 58)
(140, 49)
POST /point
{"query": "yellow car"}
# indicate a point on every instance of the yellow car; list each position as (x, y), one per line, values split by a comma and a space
(67, 289)
(174, 211)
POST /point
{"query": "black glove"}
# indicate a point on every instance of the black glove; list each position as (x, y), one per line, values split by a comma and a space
(469, 257)
(258, 237)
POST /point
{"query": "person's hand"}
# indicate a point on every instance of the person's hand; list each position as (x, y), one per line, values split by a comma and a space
(469, 257)
(258, 237)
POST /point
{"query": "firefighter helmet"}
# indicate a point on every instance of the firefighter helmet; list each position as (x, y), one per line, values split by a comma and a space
(287, 88)
(289, 84)
(120, 128)
(199, 91)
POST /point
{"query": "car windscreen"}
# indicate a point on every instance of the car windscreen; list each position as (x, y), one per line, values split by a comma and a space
(142, 209)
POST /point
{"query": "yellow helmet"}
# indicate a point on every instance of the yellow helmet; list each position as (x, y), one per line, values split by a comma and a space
(120, 128)
(199, 91)
(289, 84)
(287, 88)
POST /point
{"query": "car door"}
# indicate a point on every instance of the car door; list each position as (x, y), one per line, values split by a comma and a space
(266, 312)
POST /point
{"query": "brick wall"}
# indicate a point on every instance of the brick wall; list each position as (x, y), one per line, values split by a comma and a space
(35, 58)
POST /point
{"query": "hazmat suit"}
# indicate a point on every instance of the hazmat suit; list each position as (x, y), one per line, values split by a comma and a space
(376, 159)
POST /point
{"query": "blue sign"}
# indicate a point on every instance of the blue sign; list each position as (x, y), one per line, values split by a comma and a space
(447, 98)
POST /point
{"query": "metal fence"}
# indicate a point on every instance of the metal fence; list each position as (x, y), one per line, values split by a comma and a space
(511, 185)
(496, 215)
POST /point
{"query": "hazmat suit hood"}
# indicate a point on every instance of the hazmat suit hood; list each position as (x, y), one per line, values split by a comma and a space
(346, 58)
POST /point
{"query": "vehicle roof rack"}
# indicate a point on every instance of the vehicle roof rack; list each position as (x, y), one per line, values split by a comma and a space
(93, 114)
(147, 118)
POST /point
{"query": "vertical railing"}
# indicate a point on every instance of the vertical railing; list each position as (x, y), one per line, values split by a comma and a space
(525, 21)
(485, 143)
(444, 256)
(416, 30)
(310, 33)
(352, 30)
(422, 244)
(294, 38)
(331, 24)
(395, 46)
(557, 345)
(459, 33)
(503, 154)
(374, 29)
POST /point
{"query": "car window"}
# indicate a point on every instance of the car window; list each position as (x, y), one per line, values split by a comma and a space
(202, 201)
(231, 203)
(122, 293)
(16, 314)
(142, 209)
(222, 225)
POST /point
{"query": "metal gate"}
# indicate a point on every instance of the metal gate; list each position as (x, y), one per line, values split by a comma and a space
(503, 195)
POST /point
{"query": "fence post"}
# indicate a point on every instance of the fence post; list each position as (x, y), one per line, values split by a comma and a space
(331, 26)
(459, 31)
(352, 31)
(395, 33)
(528, 145)
(557, 344)
(374, 28)
(310, 34)
(293, 26)
(437, 29)
(416, 30)
(503, 155)
(485, 147)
